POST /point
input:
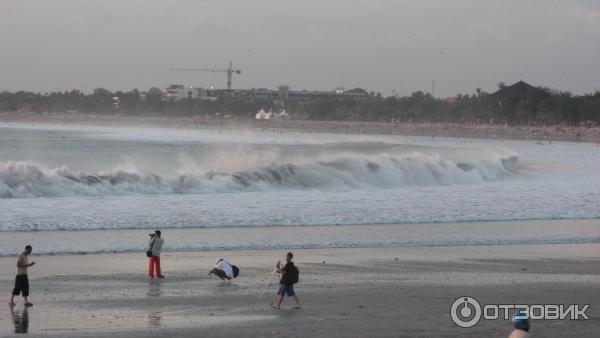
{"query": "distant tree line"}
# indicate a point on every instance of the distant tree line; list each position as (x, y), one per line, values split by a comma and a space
(519, 104)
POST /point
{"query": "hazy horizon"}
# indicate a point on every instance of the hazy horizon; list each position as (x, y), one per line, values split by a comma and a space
(382, 46)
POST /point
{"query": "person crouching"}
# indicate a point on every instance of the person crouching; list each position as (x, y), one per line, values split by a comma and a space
(224, 270)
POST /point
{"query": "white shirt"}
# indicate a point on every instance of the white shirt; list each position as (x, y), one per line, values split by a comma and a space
(157, 246)
(225, 267)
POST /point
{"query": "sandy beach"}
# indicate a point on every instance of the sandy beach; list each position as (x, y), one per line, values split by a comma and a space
(360, 292)
(542, 134)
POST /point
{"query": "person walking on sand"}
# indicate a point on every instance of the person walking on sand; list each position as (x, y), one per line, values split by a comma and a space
(521, 325)
(289, 277)
(21, 280)
(154, 248)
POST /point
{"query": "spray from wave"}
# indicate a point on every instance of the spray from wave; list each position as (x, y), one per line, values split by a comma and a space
(24, 179)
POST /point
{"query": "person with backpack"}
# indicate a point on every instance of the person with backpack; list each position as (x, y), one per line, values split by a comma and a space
(225, 270)
(289, 276)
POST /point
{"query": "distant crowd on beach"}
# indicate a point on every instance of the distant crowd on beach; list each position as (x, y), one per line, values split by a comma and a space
(490, 130)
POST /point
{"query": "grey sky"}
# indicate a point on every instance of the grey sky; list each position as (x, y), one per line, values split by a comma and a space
(308, 44)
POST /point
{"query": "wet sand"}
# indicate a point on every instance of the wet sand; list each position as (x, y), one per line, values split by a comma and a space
(359, 292)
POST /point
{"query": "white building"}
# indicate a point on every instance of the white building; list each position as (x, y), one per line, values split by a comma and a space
(174, 93)
(179, 92)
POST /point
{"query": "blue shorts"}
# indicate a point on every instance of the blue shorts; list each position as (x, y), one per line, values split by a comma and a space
(286, 289)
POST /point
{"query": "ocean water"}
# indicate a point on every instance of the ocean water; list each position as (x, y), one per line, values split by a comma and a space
(101, 189)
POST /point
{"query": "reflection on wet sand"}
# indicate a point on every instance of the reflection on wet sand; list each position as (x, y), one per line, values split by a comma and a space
(20, 319)
(154, 319)
(154, 289)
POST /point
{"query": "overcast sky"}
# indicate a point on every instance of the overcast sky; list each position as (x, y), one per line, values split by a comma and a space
(307, 44)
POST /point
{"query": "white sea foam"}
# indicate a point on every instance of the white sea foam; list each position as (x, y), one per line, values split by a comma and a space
(24, 179)
(245, 186)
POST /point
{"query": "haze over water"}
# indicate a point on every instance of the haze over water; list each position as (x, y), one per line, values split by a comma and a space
(102, 188)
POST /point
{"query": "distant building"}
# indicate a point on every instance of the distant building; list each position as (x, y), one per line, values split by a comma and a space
(174, 93)
(518, 89)
(179, 92)
(284, 92)
(451, 99)
(356, 93)
(116, 102)
(200, 93)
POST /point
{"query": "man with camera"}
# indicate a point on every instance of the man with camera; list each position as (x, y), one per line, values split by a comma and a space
(154, 248)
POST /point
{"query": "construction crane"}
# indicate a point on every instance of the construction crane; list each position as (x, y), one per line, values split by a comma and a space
(230, 71)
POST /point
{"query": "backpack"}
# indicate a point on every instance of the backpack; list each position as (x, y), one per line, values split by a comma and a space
(149, 251)
(292, 274)
(236, 271)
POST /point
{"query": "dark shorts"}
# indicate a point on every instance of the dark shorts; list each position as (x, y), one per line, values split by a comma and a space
(21, 286)
(286, 289)
(221, 274)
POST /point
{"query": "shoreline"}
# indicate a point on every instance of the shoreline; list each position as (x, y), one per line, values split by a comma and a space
(315, 237)
(544, 134)
(195, 262)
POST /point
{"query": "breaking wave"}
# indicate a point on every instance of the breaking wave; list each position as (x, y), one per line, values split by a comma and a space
(25, 179)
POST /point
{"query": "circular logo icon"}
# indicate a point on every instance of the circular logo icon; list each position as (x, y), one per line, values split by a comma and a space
(465, 311)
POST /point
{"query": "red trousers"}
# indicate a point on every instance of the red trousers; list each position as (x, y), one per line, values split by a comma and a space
(154, 263)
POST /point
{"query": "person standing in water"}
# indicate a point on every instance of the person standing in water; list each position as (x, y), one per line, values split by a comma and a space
(289, 277)
(21, 280)
(155, 246)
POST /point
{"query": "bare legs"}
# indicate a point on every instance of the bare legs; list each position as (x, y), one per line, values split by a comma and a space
(280, 300)
(11, 301)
